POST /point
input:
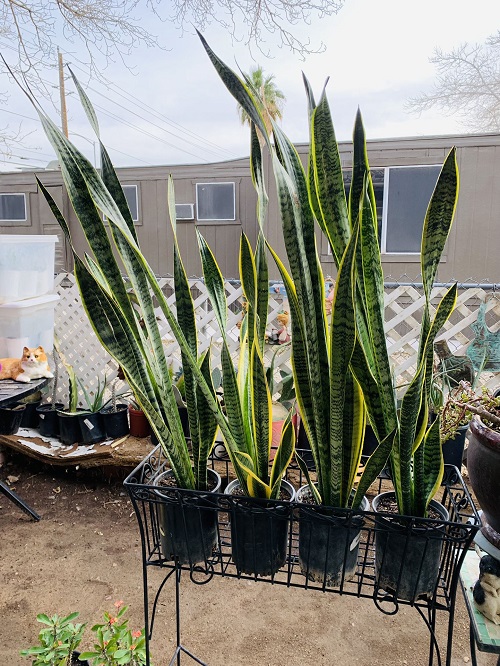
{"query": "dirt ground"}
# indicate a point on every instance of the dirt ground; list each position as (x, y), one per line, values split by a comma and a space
(85, 554)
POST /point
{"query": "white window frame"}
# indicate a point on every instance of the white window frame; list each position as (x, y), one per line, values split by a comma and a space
(217, 219)
(135, 220)
(387, 185)
(19, 221)
(188, 219)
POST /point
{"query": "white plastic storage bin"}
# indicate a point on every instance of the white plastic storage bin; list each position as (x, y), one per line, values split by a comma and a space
(27, 323)
(26, 266)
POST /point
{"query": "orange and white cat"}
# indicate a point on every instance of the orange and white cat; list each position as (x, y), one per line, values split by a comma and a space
(32, 365)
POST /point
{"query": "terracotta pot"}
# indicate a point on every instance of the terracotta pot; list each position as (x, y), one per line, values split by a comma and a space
(483, 467)
(139, 425)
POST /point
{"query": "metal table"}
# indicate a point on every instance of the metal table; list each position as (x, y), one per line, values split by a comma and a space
(10, 392)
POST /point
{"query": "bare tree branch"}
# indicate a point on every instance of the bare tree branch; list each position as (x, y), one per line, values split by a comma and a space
(468, 85)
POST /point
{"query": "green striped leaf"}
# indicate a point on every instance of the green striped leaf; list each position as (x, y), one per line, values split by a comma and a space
(261, 412)
(328, 180)
(237, 88)
(342, 341)
(438, 220)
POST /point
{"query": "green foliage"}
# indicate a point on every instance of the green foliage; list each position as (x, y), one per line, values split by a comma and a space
(57, 640)
(341, 366)
(115, 644)
(463, 402)
(94, 401)
(248, 391)
(72, 380)
(122, 313)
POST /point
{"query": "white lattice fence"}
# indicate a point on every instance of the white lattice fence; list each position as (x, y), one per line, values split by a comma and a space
(402, 316)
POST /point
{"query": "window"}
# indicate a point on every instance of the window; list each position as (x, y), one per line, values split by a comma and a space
(406, 197)
(130, 192)
(215, 201)
(184, 211)
(13, 208)
(402, 195)
(378, 176)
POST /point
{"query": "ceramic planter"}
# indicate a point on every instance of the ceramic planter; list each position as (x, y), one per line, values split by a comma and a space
(328, 540)
(139, 424)
(10, 418)
(48, 421)
(259, 531)
(483, 467)
(187, 522)
(115, 421)
(408, 551)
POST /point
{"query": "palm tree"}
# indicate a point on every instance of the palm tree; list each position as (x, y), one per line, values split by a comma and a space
(271, 96)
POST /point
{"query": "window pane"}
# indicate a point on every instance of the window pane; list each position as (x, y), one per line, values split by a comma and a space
(130, 192)
(215, 201)
(410, 189)
(12, 207)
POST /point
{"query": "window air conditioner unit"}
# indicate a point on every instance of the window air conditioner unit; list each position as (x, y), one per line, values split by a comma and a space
(184, 211)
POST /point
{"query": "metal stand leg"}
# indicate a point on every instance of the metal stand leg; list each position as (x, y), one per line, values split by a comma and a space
(14, 497)
(472, 646)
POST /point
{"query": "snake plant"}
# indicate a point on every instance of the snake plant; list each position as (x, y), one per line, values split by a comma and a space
(341, 367)
(247, 392)
(122, 313)
(124, 320)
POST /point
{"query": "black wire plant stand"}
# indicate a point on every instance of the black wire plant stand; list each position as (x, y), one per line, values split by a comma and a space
(194, 508)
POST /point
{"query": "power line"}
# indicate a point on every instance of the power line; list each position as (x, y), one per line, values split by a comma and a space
(146, 107)
(162, 129)
(145, 132)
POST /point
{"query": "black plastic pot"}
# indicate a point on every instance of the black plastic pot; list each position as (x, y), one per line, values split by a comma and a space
(187, 522)
(183, 413)
(328, 541)
(408, 551)
(259, 532)
(48, 420)
(76, 661)
(30, 415)
(91, 428)
(370, 442)
(303, 445)
(453, 449)
(10, 418)
(115, 421)
(69, 427)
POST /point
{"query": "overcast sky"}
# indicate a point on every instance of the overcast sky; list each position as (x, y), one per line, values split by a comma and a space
(172, 108)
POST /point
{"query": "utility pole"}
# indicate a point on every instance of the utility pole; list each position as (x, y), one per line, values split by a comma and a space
(62, 95)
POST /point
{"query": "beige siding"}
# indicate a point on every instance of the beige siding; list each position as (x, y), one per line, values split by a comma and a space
(471, 253)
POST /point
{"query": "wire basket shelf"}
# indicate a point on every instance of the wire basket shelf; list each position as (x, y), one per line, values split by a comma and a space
(361, 541)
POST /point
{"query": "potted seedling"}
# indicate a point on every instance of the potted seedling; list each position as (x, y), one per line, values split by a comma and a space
(48, 422)
(70, 431)
(91, 422)
(115, 415)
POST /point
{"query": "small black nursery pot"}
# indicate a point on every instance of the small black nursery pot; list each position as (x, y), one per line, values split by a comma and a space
(48, 421)
(10, 418)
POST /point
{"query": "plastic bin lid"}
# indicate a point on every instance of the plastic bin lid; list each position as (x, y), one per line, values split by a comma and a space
(30, 302)
(19, 238)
